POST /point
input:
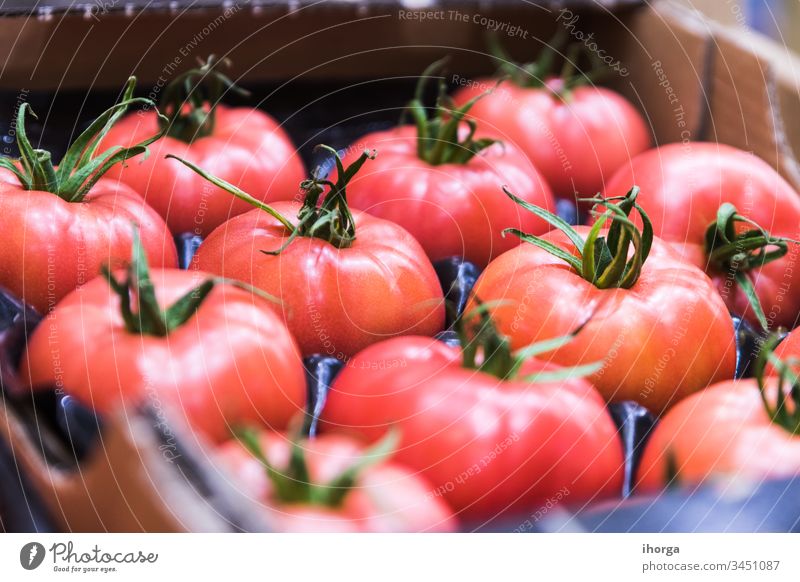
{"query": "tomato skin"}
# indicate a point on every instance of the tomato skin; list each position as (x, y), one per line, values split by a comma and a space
(451, 209)
(51, 246)
(667, 336)
(386, 498)
(788, 348)
(683, 186)
(487, 446)
(334, 301)
(576, 144)
(232, 362)
(247, 148)
(722, 431)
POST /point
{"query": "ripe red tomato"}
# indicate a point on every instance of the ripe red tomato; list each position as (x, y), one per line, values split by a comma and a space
(656, 321)
(242, 145)
(383, 496)
(452, 209)
(61, 224)
(723, 431)
(744, 429)
(227, 361)
(576, 137)
(342, 286)
(492, 440)
(682, 189)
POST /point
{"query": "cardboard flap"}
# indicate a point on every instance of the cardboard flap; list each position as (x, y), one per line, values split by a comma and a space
(753, 108)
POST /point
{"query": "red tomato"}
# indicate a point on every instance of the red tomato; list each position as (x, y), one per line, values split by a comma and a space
(665, 335)
(385, 497)
(242, 145)
(789, 347)
(723, 431)
(452, 209)
(231, 362)
(335, 301)
(344, 279)
(488, 446)
(52, 246)
(577, 140)
(61, 224)
(682, 188)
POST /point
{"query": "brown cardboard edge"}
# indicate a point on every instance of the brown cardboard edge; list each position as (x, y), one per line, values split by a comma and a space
(756, 98)
(127, 485)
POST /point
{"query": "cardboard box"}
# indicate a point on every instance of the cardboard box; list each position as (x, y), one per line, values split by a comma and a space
(693, 79)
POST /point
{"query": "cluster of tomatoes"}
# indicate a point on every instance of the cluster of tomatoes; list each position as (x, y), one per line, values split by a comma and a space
(444, 413)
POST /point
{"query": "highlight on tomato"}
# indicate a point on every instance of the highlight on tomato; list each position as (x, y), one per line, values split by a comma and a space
(60, 224)
(332, 483)
(176, 340)
(575, 133)
(731, 214)
(442, 184)
(746, 430)
(242, 145)
(655, 320)
(345, 279)
(497, 432)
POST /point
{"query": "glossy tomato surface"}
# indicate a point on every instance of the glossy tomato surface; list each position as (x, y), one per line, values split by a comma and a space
(788, 348)
(386, 497)
(51, 246)
(232, 362)
(451, 209)
(683, 186)
(247, 148)
(667, 336)
(491, 448)
(577, 142)
(722, 432)
(334, 301)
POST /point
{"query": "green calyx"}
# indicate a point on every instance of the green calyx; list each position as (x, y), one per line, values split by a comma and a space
(485, 349)
(736, 251)
(785, 411)
(539, 73)
(145, 316)
(190, 100)
(330, 219)
(438, 140)
(81, 167)
(292, 484)
(613, 260)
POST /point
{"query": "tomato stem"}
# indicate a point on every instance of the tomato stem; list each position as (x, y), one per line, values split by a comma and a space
(330, 220)
(604, 258)
(149, 318)
(785, 412)
(292, 484)
(438, 140)
(484, 348)
(81, 167)
(736, 251)
(190, 100)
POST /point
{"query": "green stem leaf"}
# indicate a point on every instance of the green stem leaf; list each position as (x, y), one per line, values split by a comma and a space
(81, 166)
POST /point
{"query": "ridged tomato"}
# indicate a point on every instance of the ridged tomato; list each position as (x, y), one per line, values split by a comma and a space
(243, 145)
(189, 344)
(333, 484)
(497, 434)
(60, 224)
(343, 279)
(575, 133)
(656, 321)
(684, 186)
